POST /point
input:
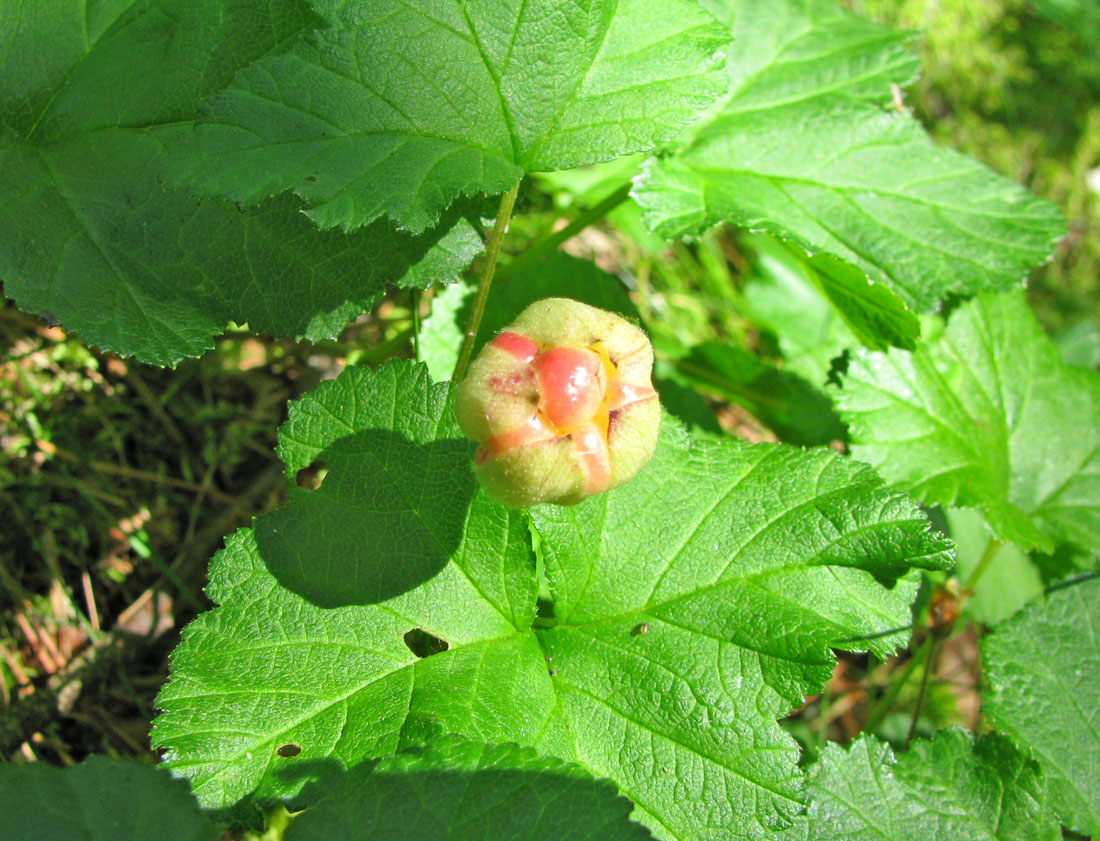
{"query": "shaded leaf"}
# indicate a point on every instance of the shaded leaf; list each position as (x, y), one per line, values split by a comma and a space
(458, 789)
(784, 300)
(89, 234)
(99, 800)
(791, 407)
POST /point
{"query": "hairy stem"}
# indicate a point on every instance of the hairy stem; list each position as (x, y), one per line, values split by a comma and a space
(543, 247)
(507, 202)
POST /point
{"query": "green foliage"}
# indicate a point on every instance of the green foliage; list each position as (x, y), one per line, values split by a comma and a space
(1016, 83)
(89, 233)
(1043, 668)
(459, 789)
(404, 657)
(988, 416)
(399, 108)
(802, 147)
(313, 615)
(789, 405)
(949, 787)
(100, 800)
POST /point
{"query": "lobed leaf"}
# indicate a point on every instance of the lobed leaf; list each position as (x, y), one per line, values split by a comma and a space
(308, 646)
(99, 800)
(989, 417)
(1042, 667)
(400, 107)
(88, 233)
(950, 787)
(802, 148)
(744, 565)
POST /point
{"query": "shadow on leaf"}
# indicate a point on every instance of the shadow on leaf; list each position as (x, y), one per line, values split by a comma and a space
(452, 788)
(388, 517)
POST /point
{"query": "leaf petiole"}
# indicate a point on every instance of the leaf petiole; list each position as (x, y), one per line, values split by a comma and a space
(507, 202)
(546, 246)
(991, 550)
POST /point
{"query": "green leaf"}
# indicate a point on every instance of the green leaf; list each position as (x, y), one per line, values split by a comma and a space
(802, 148)
(872, 312)
(396, 538)
(88, 233)
(1043, 671)
(459, 789)
(99, 800)
(787, 404)
(674, 651)
(306, 646)
(401, 107)
(949, 787)
(441, 333)
(987, 417)
(784, 300)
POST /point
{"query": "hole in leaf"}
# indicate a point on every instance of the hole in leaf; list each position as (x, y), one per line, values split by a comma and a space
(288, 750)
(544, 613)
(423, 644)
(310, 478)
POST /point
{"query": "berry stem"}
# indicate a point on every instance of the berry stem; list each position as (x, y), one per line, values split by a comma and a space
(492, 252)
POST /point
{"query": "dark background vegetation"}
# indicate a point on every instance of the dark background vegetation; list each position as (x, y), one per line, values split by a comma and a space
(119, 481)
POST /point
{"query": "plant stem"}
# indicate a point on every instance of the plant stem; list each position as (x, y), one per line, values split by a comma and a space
(929, 667)
(991, 550)
(416, 323)
(543, 247)
(507, 202)
(882, 708)
(821, 725)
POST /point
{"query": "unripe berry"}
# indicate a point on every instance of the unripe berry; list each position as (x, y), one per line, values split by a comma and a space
(561, 403)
